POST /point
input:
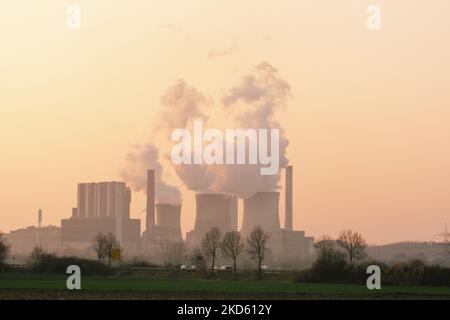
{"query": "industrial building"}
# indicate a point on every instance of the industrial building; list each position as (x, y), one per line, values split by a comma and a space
(262, 209)
(163, 220)
(213, 210)
(167, 227)
(101, 207)
(23, 241)
(105, 208)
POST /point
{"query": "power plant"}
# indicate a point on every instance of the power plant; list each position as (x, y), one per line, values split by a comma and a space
(262, 210)
(104, 207)
(221, 210)
(101, 207)
(164, 226)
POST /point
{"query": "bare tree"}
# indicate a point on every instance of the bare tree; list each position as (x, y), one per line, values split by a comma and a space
(353, 245)
(104, 245)
(99, 246)
(231, 247)
(257, 246)
(36, 256)
(111, 243)
(4, 249)
(199, 260)
(210, 244)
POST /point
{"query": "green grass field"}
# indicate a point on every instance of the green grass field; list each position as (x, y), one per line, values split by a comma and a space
(111, 285)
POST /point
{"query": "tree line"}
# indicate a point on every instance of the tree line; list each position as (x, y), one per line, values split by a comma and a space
(231, 245)
(344, 260)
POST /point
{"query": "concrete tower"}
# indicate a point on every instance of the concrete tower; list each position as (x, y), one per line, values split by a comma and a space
(212, 210)
(234, 213)
(168, 222)
(40, 218)
(261, 210)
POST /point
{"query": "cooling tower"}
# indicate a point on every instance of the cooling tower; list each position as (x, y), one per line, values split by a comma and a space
(288, 218)
(234, 213)
(261, 210)
(168, 221)
(213, 210)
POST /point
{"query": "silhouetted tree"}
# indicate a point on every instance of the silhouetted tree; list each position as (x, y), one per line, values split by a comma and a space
(104, 245)
(199, 260)
(210, 244)
(325, 245)
(353, 245)
(99, 246)
(4, 249)
(331, 266)
(35, 257)
(111, 244)
(231, 247)
(257, 246)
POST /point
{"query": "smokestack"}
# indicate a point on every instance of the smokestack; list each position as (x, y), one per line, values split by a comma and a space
(40, 218)
(150, 219)
(288, 218)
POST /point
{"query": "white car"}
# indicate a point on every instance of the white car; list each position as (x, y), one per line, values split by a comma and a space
(226, 268)
(187, 267)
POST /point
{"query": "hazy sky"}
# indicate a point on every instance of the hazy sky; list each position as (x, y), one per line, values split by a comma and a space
(368, 122)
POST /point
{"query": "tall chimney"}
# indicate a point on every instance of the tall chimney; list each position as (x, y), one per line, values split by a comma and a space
(288, 219)
(40, 218)
(150, 219)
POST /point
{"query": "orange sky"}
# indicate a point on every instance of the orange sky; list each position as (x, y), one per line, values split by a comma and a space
(368, 122)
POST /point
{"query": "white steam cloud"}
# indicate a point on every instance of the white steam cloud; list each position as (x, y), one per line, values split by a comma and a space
(138, 161)
(253, 103)
(262, 93)
(181, 103)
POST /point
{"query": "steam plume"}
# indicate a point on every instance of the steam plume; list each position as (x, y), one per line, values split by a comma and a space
(181, 103)
(138, 161)
(262, 93)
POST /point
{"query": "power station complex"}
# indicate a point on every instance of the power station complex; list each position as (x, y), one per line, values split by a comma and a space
(101, 207)
(262, 209)
(105, 207)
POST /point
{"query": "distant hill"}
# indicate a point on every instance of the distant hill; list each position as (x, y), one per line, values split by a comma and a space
(431, 252)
